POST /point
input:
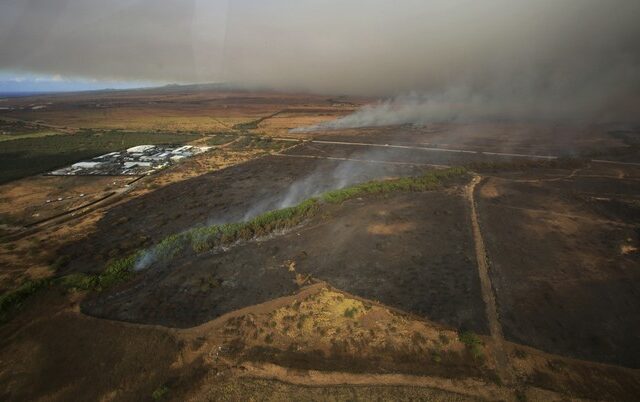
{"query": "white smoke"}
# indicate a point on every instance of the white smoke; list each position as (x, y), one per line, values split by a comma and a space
(406, 109)
(147, 258)
(321, 180)
(324, 178)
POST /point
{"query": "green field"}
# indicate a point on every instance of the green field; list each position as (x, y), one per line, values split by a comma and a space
(28, 156)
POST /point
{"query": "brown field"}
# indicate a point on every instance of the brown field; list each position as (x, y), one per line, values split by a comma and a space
(30, 200)
(378, 297)
(171, 109)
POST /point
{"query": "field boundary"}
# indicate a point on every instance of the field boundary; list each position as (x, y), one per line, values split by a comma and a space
(488, 295)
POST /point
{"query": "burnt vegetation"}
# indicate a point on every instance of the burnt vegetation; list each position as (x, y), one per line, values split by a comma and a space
(208, 238)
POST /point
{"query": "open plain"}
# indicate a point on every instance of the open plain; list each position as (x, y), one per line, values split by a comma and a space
(488, 261)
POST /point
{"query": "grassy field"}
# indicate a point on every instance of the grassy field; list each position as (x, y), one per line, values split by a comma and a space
(28, 156)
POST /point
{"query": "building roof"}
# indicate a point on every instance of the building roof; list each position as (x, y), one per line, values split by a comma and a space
(86, 165)
(140, 148)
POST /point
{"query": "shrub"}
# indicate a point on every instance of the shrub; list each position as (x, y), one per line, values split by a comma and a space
(78, 281)
(472, 343)
(160, 393)
(117, 271)
(13, 300)
(350, 312)
(206, 238)
(428, 181)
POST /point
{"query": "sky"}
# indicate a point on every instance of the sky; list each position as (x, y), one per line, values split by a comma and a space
(540, 54)
(20, 82)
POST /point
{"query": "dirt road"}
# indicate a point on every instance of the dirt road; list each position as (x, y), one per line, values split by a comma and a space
(335, 158)
(488, 296)
(460, 151)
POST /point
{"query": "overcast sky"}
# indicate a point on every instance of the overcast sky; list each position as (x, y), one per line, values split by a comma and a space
(543, 49)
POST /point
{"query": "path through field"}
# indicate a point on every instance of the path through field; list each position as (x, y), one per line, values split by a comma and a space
(495, 328)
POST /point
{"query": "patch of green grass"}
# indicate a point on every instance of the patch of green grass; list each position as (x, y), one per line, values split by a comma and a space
(428, 181)
(117, 271)
(78, 281)
(207, 238)
(13, 300)
(350, 312)
(170, 246)
(160, 393)
(472, 343)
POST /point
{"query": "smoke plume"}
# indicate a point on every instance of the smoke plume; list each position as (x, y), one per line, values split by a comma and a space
(328, 176)
(575, 59)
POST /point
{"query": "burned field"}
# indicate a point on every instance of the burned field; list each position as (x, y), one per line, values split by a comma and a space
(390, 249)
(367, 286)
(228, 195)
(433, 270)
(355, 247)
(564, 252)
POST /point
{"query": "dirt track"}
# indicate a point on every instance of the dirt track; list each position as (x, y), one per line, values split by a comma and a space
(467, 388)
(488, 296)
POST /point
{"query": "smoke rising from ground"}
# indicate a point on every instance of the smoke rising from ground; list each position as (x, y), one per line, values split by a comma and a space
(326, 177)
(321, 180)
(462, 104)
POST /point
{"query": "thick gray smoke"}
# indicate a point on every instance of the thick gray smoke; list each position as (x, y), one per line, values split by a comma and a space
(573, 59)
(569, 101)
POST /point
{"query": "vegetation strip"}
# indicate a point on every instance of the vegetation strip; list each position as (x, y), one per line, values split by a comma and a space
(202, 239)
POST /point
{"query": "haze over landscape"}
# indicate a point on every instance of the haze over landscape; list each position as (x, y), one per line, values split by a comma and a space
(522, 58)
(319, 200)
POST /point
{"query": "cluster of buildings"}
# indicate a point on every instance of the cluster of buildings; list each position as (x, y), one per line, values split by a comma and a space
(135, 161)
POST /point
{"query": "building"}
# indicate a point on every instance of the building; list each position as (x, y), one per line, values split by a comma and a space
(86, 165)
(129, 165)
(141, 149)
